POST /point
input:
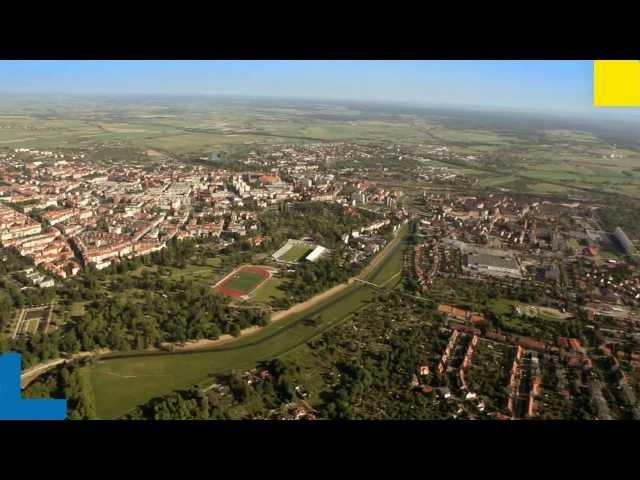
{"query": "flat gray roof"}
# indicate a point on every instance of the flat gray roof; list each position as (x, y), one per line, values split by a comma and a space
(491, 260)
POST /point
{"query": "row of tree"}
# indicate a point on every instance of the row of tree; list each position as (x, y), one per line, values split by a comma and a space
(67, 383)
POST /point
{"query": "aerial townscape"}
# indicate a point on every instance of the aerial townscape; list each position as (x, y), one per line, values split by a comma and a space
(176, 258)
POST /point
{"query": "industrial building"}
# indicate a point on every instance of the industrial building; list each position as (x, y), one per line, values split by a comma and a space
(623, 240)
(316, 253)
(493, 263)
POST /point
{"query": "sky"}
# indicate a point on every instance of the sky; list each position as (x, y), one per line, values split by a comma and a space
(557, 85)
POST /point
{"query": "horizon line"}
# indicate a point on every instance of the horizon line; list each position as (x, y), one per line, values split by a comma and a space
(596, 112)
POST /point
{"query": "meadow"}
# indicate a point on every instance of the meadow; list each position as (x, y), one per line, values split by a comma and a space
(269, 290)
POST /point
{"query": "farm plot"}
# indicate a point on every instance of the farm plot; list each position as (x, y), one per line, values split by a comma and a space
(32, 320)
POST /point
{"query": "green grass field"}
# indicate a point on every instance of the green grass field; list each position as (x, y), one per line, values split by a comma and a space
(389, 276)
(269, 290)
(295, 253)
(244, 281)
(496, 181)
(208, 273)
(505, 306)
(31, 326)
(77, 309)
(120, 383)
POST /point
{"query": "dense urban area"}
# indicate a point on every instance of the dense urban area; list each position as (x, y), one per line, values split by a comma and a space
(315, 280)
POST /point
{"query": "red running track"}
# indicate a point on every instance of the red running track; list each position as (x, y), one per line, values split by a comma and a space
(229, 292)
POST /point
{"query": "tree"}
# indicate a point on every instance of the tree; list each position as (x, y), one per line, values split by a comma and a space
(70, 343)
(235, 330)
(411, 284)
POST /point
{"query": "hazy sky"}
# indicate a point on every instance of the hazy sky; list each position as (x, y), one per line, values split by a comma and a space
(546, 85)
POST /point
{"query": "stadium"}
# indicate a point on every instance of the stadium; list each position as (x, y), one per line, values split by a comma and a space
(243, 281)
(295, 251)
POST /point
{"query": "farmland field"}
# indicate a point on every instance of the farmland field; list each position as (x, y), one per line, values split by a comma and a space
(31, 326)
(554, 155)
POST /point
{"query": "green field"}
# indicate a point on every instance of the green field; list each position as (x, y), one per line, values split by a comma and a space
(31, 325)
(496, 181)
(209, 273)
(269, 290)
(506, 307)
(120, 383)
(389, 276)
(77, 309)
(244, 281)
(182, 126)
(549, 188)
(295, 253)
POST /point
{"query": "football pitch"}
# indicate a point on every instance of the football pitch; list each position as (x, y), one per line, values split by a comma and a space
(244, 281)
(296, 253)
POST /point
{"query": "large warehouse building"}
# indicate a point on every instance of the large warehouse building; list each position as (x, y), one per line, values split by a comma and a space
(316, 253)
(493, 263)
(623, 240)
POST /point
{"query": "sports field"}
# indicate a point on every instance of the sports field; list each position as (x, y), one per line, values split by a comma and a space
(242, 281)
(270, 290)
(296, 253)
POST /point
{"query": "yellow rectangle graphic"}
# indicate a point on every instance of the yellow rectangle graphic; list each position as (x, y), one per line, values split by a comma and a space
(616, 83)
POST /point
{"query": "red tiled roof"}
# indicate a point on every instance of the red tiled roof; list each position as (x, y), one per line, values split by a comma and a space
(478, 319)
(575, 344)
(268, 178)
(496, 336)
(530, 343)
